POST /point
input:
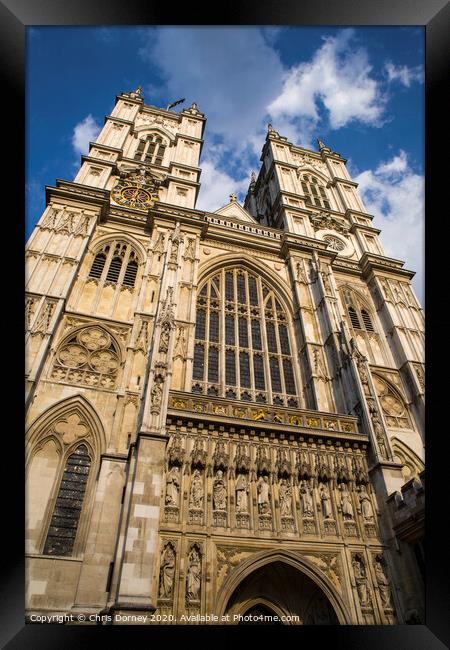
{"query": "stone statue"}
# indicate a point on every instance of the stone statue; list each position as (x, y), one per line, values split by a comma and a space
(326, 502)
(326, 282)
(306, 499)
(190, 252)
(366, 505)
(241, 493)
(156, 395)
(285, 498)
(193, 577)
(165, 335)
(361, 580)
(196, 495)
(263, 495)
(173, 486)
(166, 572)
(301, 275)
(180, 343)
(219, 492)
(346, 504)
(383, 583)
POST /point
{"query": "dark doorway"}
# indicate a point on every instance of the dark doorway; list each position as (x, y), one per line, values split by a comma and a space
(260, 615)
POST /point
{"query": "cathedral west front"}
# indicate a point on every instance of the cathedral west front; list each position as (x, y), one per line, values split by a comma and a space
(225, 410)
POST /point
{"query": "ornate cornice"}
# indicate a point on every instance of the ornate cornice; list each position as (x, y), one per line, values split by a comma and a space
(291, 242)
(254, 416)
(370, 262)
(76, 191)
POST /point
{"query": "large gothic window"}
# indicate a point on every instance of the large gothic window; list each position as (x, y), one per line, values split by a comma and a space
(116, 262)
(69, 502)
(242, 345)
(151, 150)
(314, 191)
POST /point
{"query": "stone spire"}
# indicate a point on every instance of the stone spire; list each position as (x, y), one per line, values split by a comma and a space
(323, 147)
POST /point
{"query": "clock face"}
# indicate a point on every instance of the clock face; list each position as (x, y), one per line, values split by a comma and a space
(134, 196)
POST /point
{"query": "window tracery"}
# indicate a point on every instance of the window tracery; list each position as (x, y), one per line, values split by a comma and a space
(89, 356)
(151, 150)
(116, 262)
(242, 348)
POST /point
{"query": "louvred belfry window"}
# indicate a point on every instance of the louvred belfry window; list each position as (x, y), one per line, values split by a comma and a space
(314, 191)
(116, 263)
(69, 503)
(151, 150)
(242, 342)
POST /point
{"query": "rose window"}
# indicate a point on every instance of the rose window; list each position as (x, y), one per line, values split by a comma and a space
(334, 242)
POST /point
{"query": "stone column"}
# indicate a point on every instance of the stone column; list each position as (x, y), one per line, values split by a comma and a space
(137, 581)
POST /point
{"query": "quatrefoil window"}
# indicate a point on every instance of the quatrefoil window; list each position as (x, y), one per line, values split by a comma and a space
(89, 356)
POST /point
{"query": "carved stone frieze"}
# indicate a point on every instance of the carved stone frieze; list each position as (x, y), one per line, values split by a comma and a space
(325, 220)
(329, 564)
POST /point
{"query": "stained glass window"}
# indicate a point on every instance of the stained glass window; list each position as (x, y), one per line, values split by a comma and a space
(245, 353)
(69, 502)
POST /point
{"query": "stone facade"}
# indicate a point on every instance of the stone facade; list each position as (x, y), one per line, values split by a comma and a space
(224, 410)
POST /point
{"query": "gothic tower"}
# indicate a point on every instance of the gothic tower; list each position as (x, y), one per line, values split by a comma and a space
(219, 404)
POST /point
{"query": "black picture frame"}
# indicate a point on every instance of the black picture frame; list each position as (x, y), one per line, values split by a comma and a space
(15, 16)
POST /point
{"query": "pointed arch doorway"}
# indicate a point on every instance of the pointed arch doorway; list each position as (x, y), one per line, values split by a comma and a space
(277, 592)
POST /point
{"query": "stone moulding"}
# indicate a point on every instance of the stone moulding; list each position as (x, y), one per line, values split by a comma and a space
(240, 414)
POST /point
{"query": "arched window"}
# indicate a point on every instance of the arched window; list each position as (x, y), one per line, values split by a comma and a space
(314, 191)
(69, 502)
(151, 150)
(358, 314)
(242, 345)
(115, 262)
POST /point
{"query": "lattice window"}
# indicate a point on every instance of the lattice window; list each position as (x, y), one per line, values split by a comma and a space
(242, 348)
(151, 150)
(69, 502)
(117, 263)
(314, 191)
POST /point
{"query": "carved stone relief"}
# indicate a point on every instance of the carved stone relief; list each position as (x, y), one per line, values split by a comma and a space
(42, 323)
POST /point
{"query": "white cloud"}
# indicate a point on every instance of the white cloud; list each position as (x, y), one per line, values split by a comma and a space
(338, 78)
(237, 78)
(394, 194)
(396, 165)
(404, 74)
(216, 187)
(84, 132)
(233, 74)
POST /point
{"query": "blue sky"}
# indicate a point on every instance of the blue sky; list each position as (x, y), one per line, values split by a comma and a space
(359, 89)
